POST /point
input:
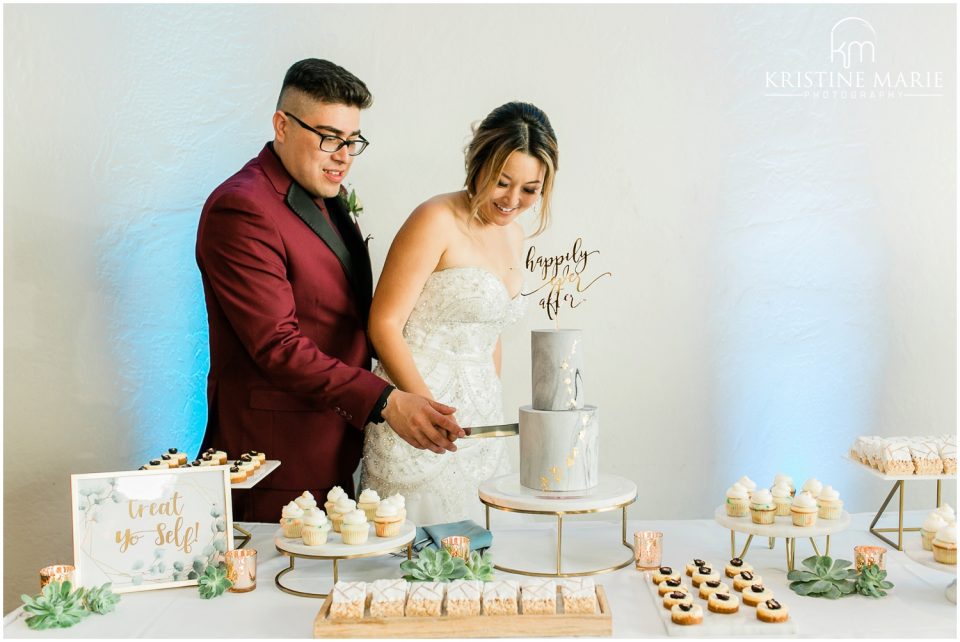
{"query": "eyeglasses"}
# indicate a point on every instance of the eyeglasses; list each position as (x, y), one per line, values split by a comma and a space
(331, 144)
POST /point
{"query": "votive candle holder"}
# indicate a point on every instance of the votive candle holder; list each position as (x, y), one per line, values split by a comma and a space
(457, 546)
(867, 555)
(241, 569)
(647, 549)
(57, 573)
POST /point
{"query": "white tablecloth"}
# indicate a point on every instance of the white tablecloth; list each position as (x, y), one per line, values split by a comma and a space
(916, 607)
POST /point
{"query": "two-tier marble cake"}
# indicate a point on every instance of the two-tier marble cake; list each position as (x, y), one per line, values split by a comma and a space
(559, 434)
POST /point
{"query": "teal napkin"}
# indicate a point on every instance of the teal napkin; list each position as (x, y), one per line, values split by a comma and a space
(431, 536)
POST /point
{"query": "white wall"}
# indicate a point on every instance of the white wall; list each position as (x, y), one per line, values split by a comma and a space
(784, 267)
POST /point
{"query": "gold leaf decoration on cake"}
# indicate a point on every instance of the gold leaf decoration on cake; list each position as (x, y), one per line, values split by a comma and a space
(544, 483)
(556, 473)
(570, 461)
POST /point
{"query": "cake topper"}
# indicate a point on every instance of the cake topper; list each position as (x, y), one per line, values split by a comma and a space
(562, 278)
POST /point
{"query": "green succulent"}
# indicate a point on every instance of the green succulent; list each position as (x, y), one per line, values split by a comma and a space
(434, 566)
(825, 578)
(99, 599)
(872, 581)
(479, 567)
(58, 606)
(214, 581)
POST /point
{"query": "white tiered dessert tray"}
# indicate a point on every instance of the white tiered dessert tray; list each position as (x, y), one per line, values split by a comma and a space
(335, 550)
(265, 469)
(611, 493)
(915, 551)
(782, 527)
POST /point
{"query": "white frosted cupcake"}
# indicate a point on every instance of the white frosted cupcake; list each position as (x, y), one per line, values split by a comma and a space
(762, 508)
(387, 520)
(343, 506)
(781, 499)
(812, 486)
(749, 484)
(738, 501)
(355, 529)
(804, 509)
(831, 506)
(928, 531)
(291, 520)
(945, 545)
(398, 500)
(316, 526)
(780, 478)
(306, 500)
(946, 512)
(368, 502)
(333, 495)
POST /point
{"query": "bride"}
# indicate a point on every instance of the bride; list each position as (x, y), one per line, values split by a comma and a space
(450, 284)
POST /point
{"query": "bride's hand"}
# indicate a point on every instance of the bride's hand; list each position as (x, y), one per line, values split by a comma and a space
(421, 422)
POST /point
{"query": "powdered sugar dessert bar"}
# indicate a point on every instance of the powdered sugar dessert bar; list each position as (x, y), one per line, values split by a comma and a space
(579, 595)
(539, 596)
(349, 599)
(463, 597)
(388, 597)
(500, 597)
(926, 456)
(426, 598)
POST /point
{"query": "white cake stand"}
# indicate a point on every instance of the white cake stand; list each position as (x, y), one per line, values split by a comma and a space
(335, 550)
(611, 493)
(915, 551)
(782, 527)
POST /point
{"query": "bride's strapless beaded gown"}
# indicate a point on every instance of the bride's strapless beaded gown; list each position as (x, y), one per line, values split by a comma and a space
(452, 333)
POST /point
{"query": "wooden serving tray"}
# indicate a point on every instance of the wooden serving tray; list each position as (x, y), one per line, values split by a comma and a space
(469, 626)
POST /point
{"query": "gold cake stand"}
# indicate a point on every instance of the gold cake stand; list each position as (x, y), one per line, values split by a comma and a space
(611, 493)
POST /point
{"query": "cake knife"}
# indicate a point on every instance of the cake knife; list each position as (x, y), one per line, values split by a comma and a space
(496, 430)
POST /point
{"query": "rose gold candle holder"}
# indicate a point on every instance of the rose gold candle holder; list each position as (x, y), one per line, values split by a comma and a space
(57, 573)
(242, 569)
(868, 555)
(647, 549)
(457, 546)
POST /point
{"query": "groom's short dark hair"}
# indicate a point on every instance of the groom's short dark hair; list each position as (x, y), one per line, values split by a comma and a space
(326, 82)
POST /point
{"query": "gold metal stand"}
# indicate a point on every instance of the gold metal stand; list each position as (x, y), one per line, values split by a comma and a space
(898, 486)
(247, 535)
(789, 542)
(336, 570)
(559, 515)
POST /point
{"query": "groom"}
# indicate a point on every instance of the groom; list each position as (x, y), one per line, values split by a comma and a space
(287, 283)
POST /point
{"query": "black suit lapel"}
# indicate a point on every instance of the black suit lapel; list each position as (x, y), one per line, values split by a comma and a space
(359, 256)
(302, 204)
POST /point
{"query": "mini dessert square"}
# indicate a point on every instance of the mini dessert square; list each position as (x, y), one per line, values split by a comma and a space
(348, 600)
(388, 598)
(579, 595)
(463, 597)
(426, 598)
(539, 596)
(500, 597)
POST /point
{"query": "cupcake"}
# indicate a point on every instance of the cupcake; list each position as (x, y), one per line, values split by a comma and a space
(368, 502)
(355, 529)
(780, 478)
(343, 506)
(738, 501)
(762, 508)
(781, 499)
(928, 531)
(401, 504)
(291, 520)
(831, 506)
(333, 495)
(804, 509)
(748, 483)
(947, 513)
(315, 527)
(387, 520)
(306, 501)
(812, 486)
(945, 545)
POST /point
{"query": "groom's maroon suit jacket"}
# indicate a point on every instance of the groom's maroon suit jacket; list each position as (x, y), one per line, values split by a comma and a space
(287, 288)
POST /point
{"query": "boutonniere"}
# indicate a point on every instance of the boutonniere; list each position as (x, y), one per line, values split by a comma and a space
(351, 202)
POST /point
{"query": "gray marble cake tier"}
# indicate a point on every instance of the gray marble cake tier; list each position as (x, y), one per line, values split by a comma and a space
(557, 368)
(559, 448)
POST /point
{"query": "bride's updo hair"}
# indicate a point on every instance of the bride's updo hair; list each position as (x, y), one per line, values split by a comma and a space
(514, 127)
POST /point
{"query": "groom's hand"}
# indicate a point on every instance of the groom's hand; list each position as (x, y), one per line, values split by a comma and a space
(421, 422)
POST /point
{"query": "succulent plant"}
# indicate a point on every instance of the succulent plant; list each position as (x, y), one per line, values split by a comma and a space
(434, 566)
(99, 599)
(825, 578)
(57, 606)
(872, 581)
(479, 567)
(214, 581)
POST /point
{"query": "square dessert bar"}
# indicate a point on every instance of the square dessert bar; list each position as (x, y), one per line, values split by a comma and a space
(500, 597)
(579, 595)
(388, 597)
(539, 597)
(463, 597)
(349, 599)
(426, 598)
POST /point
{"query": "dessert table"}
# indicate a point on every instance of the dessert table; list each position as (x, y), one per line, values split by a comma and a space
(915, 608)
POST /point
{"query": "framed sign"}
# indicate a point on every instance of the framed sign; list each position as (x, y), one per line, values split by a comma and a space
(148, 529)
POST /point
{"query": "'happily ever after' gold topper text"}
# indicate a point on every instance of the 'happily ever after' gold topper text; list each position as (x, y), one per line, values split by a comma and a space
(563, 278)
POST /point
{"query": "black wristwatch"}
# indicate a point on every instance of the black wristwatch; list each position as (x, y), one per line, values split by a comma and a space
(376, 415)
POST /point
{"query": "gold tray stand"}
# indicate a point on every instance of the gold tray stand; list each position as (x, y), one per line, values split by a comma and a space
(898, 486)
(559, 515)
(336, 570)
(790, 543)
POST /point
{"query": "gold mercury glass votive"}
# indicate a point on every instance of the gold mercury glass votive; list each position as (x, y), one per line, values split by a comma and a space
(457, 546)
(867, 555)
(242, 569)
(647, 549)
(57, 573)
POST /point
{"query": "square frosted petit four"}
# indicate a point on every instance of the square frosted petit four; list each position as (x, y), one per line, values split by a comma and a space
(539, 596)
(426, 598)
(388, 598)
(500, 597)
(348, 601)
(463, 597)
(579, 595)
